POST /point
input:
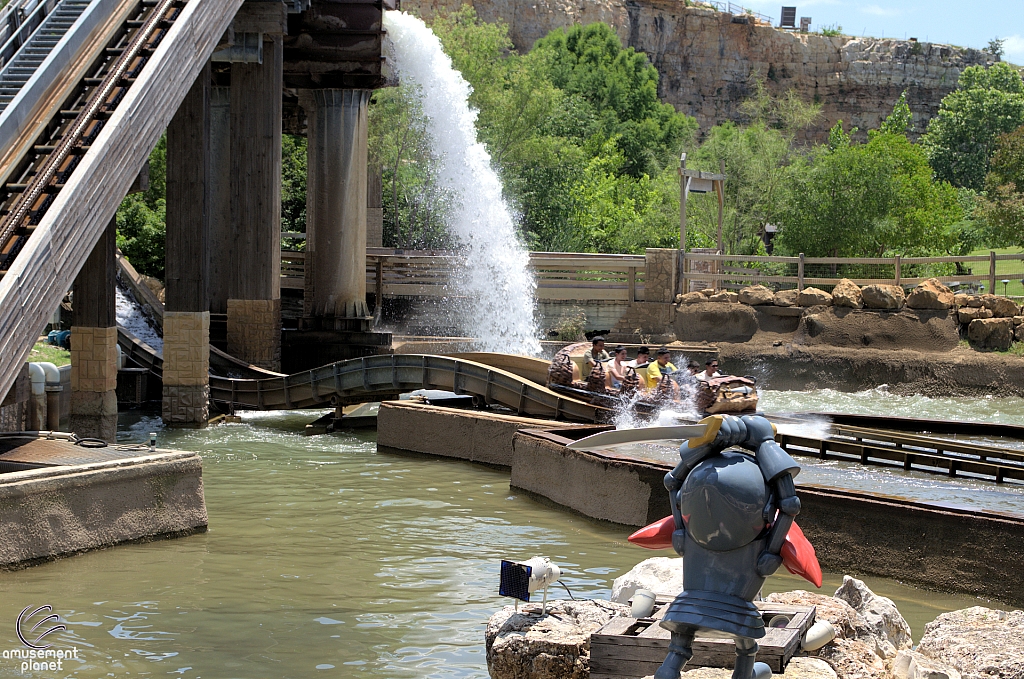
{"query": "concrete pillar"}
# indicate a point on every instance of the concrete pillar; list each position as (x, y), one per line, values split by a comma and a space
(254, 299)
(186, 378)
(94, 343)
(219, 199)
(336, 192)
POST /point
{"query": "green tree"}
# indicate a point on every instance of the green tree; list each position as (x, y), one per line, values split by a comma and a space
(621, 88)
(960, 139)
(1003, 205)
(293, 183)
(875, 199)
(141, 230)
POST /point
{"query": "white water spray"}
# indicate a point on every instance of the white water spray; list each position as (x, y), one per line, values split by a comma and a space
(495, 279)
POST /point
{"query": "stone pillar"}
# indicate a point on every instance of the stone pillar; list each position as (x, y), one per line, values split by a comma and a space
(336, 192)
(94, 343)
(254, 299)
(660, 275)
(186, 377)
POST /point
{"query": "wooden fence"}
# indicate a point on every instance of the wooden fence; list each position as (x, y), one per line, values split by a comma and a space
(559, 276)
(738, 271)
(621, 278)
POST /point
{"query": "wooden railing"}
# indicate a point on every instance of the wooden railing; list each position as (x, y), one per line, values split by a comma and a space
(737, 271)
(621, 278)
(560, 276)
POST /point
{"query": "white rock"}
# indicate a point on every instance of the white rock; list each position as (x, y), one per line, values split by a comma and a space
(913, 665)
(662, 575)
(880, 614)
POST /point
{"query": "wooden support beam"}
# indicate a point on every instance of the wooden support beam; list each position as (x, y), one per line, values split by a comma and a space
(188, 189)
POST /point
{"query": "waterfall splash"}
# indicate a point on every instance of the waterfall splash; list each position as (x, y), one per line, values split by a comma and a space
(495, 280)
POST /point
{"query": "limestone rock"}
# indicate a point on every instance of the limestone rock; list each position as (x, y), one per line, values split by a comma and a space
(961, 299)
(879, 612)
(707, 292)
(725, 296)
(1017, 320)
(786, 297)
(981, 643)
(692, 298)
(853, 659)
(1018, 334)
(847, 294)
(930, 294)
(809, 668)
(756, 294)
(1001, 306)
(882, 296)
(814, 297)
(555, 646)
(841, 614)
(975, 302)
(661, 575)
(913, 665)
(969, 313)
(990, 333)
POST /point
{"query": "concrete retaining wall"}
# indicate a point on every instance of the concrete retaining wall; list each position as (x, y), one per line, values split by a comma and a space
(464, 434)
(54, 511)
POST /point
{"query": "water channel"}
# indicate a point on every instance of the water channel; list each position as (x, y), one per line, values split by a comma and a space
(326, 558)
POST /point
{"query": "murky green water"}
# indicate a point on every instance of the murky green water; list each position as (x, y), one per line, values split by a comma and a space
(326, 558)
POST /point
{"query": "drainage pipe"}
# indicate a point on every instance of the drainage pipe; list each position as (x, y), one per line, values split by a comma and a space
(37, 403)
(53, 389)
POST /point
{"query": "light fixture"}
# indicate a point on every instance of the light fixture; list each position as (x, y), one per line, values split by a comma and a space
(1005, 282)
(520, 579)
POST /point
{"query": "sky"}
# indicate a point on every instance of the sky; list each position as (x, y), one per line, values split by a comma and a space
(967, 24)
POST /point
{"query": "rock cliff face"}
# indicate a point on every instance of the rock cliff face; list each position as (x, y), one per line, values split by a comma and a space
(706, 58)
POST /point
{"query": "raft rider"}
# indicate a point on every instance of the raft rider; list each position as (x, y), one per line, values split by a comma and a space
(594, 354)
(660, 367)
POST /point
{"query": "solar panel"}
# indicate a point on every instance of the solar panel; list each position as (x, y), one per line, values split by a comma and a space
(788, 17)
(515, 580)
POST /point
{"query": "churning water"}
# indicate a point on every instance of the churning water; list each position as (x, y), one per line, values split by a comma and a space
(495, 284)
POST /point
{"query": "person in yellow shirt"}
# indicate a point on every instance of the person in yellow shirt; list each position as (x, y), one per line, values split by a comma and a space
(660, 367)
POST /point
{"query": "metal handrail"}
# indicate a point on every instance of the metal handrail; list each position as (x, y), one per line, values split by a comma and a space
(13, 44)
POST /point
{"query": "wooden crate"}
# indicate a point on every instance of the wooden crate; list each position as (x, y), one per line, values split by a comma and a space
(627, 647)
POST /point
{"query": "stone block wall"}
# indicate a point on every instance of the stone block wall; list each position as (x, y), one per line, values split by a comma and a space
(660, 276)
(186, 371)
(254, 331)
(94, 382)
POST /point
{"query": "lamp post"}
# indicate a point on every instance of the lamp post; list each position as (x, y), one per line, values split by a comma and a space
(1005, 282)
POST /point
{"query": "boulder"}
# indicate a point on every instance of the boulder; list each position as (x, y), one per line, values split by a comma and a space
(756, 294)
(842, 615)
(1017, 320)
(661, 575)
(847, 294)
(882, 296)
(1001, 307)
(979, 642)
(691, 298)
(808, 668)
(914, 665)
(974, 301)
(879, 612)
(990, 333)
(969, 313)
(930, 294)
(1018, 334)
(960, 299)
(853, 659)
(707, 292)
(554, 646)
(813, 297)
(786, 297)
(725, 296)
